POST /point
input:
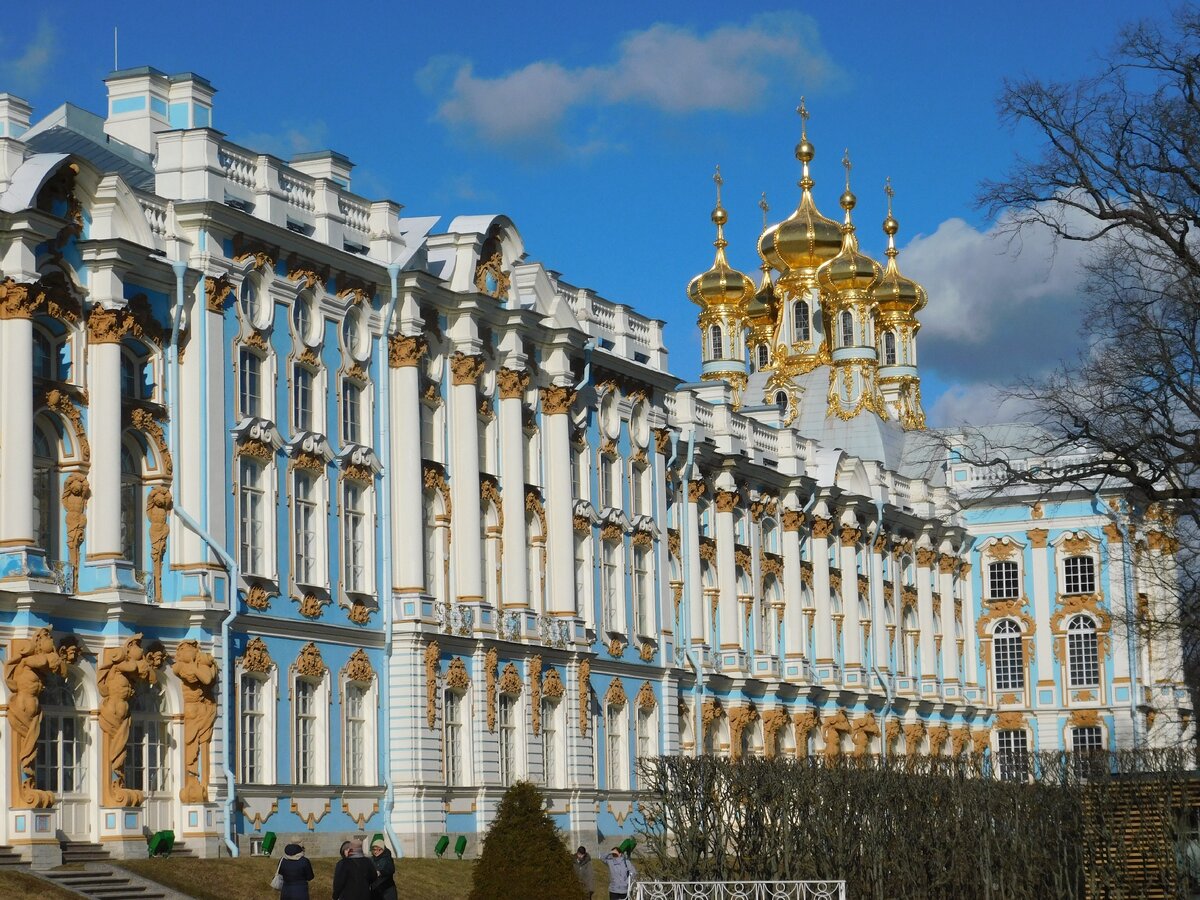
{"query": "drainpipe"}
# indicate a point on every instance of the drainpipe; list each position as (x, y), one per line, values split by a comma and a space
(876, 607)
(691, 654)
(385, 427)
(230, 564)
(586, 377)
(1135, 686)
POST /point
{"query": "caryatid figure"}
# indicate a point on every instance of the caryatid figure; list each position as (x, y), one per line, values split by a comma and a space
(31, 660)
(117, 679)
(197, 673)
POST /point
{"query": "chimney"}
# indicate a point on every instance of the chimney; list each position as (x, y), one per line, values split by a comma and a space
(14, 116)
(324, 164)
(145, 101)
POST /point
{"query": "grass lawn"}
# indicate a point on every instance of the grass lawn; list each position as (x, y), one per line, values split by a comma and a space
(248, 878)
(19, 884)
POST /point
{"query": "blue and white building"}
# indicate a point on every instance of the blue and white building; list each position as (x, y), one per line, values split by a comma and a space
(439, 520)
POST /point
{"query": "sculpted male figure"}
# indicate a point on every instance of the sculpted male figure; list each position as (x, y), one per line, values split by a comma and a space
(197, 672)
(117, 676)
(30, 661)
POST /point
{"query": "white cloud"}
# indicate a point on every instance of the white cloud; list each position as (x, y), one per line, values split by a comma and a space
(665, 67)
(27, 69)
(976, 404)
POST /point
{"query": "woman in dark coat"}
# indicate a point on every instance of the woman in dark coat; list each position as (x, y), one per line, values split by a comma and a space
(384, 885)
(296, 872)
(353, 874)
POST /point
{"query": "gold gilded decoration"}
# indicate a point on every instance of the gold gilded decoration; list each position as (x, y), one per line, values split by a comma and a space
(696, 490)
(773, 721)
(490, 277)
(358, 473)
(306, 272)
(358, 667)
(159, 504)
(832, 729)
(264, 259)
(673, 542)
(585, 695)
(913, 733)
(1037, 537)
(662, 440)
(793, 520)
(822, 527)
(646, 651)
(1076, 604)
(1004, 609)
(257, 657)
(710, 712)
(257, 597)
(255, 449)
(1112, 533)
(726, 501)
(30, 661)
(581, 523)
(645, 698)
(197, 673)
(938, 735)
(1001, 550)
(708, 549)
(891, 733)
(770, 564)
(552, 686)
(144, 421)
(456, 675)
(611, 531)
(16, 300)
(616, 648)
(557, 400)
(309, 662)
(740, 718)
(1078, 544)
(1084, 718)
(510, 681)
(947, 564)
(490, 661)
(980, 740)
(862, 730)
(359, 613)
(741, 557)
(120, 671)
(309, 462)
(311, 606)
(850, 535)
(642, 539)
(433, 478)
(926, 557)
(1011, 721)
(1037, 511)
(535, 691)
(533, 504)
(432, 654)
(465, 369)
(489, 492)
(75, 494)
(105, 326)
(513, 383)
(61, 403)
(615, 695)
(405, 350)
(804, 723)
(958, 740)
(216, 292)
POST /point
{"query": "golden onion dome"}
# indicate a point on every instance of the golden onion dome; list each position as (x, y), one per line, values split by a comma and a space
(805, 239)
(850, 269)
(722, 285)
(895, 294)
(763, 305)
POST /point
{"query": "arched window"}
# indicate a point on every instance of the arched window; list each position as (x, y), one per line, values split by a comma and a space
(909, 644)
(764, 356)
(302, 318)
(434, 536)
(889, 348)
(489, 520)
(550, 748)
(1079, 575)
(801, 333)
(1003, 583)
(907, 573)
(1083, 659)
(781, 400)
(847, 329)
(772, 600)
(535, 561)
(61, 761)
(46, 501)
(146, 767)
(1009, 655)
(131, 507)
(770, 535)
(452, 747)
(716, 341)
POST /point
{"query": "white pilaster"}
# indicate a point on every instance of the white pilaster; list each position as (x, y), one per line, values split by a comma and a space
(16, 448)
(464, 478)
(408, 524)
(560, 543)
(104, 433)
(512, 485)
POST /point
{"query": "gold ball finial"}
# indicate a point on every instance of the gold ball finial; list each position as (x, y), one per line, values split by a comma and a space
(847, 200)
(719, 216)
(804, 150)
(890, 225)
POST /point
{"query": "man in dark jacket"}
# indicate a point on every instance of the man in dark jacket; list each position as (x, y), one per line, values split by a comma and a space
(584, 872)
(384, 885)
(296, 871)
(353, 874)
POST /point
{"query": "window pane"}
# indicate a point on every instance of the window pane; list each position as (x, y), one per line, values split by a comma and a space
(1080, 574)
(1009, 656)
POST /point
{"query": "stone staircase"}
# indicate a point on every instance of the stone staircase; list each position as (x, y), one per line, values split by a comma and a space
(102, 883)
(10, 857)
(83, 852)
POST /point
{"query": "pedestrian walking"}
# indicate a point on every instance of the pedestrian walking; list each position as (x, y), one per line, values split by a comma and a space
(353, 874)
(584, 872)
(384, 885)
(620, 874)
(296, 872)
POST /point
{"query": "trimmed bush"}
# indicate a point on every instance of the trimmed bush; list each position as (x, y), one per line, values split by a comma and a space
(523, 853)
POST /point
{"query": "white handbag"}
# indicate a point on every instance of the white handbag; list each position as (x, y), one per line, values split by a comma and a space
(277, 881)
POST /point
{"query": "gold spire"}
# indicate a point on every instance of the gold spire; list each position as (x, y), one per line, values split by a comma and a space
(720, 285)
(897, 296)
(850, 270)
(847, 201)
(806, 239)
(760, 310)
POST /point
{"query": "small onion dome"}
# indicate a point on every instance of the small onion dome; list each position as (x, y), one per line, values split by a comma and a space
(805, 239)
(896, 294)
(721, 285)
(850, 269)
(760, 310)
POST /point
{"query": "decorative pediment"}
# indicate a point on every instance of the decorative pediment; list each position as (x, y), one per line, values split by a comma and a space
(309, 662)
(510, 681)
(257, 657)
(358, 667)
(645, 698)
(309, 450)
(258, 438)
(615, 695)
(359, 463)
(457, 676)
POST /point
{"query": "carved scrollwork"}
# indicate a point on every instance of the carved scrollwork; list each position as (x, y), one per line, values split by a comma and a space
(432, 655)
(358, 667)
(309, 662)
(585, 695)
(490, 661)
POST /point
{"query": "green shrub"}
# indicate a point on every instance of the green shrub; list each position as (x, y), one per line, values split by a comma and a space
(523, 854)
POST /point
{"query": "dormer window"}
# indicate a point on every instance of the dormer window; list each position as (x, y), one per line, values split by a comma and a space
(847, 329)
(764, 357)
(716, 341)
(801, 332)
(889, 348)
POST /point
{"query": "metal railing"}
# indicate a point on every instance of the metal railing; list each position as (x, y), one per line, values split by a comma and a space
(739, 890)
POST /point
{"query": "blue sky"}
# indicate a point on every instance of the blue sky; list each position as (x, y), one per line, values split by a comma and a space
(597, 130)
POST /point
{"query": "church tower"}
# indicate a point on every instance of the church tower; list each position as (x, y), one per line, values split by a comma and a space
(898, 300)
(722, 293)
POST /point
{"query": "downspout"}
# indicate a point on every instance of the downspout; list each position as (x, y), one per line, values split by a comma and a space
(385, 427)
(691, 653)
(230, 564)
(877, 610)
(586, 378)
(1135, 686)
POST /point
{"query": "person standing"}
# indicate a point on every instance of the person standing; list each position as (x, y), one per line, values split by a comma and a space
(620, 874)
(384, 885)
(584, 872)
(296, 871)
(353, 874)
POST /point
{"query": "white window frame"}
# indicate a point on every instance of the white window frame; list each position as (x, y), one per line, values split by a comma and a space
(318, 773)
(1012, 755)
(148, 765)
(354, 518)
(1079, 578)
(367, 721)
(716, 342)
(304, 396)
(262, 565)
(301, 512)
(508, 732)
(454, 737)
(801, 326)
(253, 397)
(1012, 668)
(269, 692)
(353, 399)
(1084, 665)
(616, 751)
(1006, 574)
(552, 747)
(643, 589)
(646, 732)
(612, 586)
(56, 740)
(47, 492)
(132, 507)
(583, 576)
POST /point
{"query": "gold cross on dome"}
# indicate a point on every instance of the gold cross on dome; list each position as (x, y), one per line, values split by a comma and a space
(802, 111)
(718, 180)
(887, 189)
(846, 163)
(762, 204)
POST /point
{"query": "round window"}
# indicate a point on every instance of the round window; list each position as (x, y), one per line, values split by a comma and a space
(639, 425)
(354, 335)
(610, 416)
(302, 319)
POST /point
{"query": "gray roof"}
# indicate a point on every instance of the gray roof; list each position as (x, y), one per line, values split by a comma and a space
(70, 129)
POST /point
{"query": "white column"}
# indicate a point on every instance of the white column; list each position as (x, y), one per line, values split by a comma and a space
(467, 546)
(729, 612)
(852, 648)
(793, 586)
(1042, 601)
(879, 631)
(970, 637)
(695, 603)
(408, 511)
(925, 560)
(560, 543)
(823, 626)
(946, 564)
(16, 412)
(512, 484)
(104, 433)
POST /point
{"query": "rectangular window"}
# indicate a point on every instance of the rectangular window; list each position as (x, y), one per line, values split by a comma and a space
(351, 413)
(144, 765)
(306, 529)
(453, 738)
(250, 383)
(610, 579)
(354, 528)
(59, 763)
(506, 713)
(252, 512)
(356, 735)
(302, 399)
(1002, 581)
(583, 574)
(427, 417)
(1080, 572)
(579, 469)
(1013, 755)
(643, 590)
(253, 730)
(306, 732)
(645, 733)
(549, 743)
(615, 738)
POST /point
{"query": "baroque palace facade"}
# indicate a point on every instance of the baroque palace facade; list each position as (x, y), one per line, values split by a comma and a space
(317, 519)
